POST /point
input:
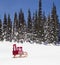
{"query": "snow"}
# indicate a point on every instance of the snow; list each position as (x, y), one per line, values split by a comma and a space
(37, 54)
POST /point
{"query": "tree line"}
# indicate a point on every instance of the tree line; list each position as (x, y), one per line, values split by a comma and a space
(38, 28)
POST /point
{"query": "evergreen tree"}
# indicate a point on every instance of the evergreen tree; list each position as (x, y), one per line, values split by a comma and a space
(59, 31)
(9, 29)
(5, 27)
(29, 26)
(21, 20)
(1, 33)
(34, 27)
(40, 23)
(54, 24)
(48, 30)
(15, 27)
(21, 25)
(35, 22)
(29, 22)
(45, 26)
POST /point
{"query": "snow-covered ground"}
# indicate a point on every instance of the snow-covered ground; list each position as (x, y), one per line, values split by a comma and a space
(37, 54)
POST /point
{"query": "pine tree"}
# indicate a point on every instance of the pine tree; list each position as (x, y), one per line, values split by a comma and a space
(29, 26)
(9, 29)
(34, 27)
(5, 27)
(59, 31)
(1, 31)
(35, 22)
(49, 29)
(21, 20)
(21, 25)
(29, 22)
(40, 23)
(48, 32)
(45, 26)
(54, 24)
(15, 27)
(25, 31)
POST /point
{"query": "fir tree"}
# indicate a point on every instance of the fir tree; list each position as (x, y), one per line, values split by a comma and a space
(40, 23)
(54, 24)
(34, 27)
(5, 27)
(48, 36)
(45, 27)
(1, 33)
(29, 26)
(15, 27)
(21, 20)
(35, 22)
(21, 25)
(59, 31)
(9, 29)
(29, 22)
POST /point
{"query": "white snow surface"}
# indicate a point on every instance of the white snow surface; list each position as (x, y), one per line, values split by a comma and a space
(37, 54)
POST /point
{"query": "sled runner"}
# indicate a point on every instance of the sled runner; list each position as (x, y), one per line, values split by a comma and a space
(18, 52)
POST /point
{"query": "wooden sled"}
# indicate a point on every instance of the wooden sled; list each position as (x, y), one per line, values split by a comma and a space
(18, 52)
